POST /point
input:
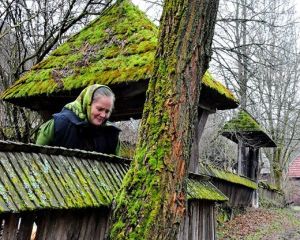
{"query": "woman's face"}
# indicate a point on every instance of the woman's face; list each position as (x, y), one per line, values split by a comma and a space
(100, 110)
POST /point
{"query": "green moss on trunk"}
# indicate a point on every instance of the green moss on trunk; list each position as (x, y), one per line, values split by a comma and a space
(152, 201)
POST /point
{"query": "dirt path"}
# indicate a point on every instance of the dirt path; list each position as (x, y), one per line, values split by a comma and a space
(292, 233)
(263, 224)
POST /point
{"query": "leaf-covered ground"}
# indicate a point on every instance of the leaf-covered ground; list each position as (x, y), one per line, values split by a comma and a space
(263, 224)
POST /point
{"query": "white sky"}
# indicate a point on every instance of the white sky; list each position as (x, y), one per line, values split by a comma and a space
(153, 11)
(297, 2)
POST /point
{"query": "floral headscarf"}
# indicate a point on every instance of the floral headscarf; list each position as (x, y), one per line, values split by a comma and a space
(82, 105)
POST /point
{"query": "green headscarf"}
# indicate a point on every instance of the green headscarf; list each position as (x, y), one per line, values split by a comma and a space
(82, 105)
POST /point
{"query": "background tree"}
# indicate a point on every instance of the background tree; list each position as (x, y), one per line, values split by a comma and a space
(151, 203)
(29, 30)
(256, 53)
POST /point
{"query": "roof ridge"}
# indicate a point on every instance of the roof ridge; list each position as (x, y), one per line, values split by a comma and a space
(7, 146)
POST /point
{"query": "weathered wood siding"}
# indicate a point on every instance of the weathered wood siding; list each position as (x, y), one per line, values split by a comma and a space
(238, 195)
(87, 224)
(199, 222)
(90, 224)
(273, 196)
(199, 128)
(295, 191)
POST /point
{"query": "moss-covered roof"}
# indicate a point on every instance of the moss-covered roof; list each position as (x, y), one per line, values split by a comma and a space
(32, 180)
(242, 122)
(244, 127)
(227, 176)
(115, 49)
(35, 177)
(204, 190)
(269, 187)
(213, 90)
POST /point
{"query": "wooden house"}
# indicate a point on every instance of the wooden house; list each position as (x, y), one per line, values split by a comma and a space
(294, 179)
(250, 137)
(117, 49)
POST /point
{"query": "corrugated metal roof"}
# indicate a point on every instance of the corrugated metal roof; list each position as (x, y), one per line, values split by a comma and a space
(36, 177)
(294, 168)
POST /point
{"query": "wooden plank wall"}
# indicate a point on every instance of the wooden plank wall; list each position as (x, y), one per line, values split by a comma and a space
(199, 222)
(271, 195)
(238, 195)
(90, 224)
(85, 224)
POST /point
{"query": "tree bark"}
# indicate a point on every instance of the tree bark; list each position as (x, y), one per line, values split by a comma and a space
(152, 201)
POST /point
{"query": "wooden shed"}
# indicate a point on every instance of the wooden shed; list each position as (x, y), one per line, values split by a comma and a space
(67, 194)
(271, 195)
(116, 49)
(244, 130)
(238, 189)
(249, 135)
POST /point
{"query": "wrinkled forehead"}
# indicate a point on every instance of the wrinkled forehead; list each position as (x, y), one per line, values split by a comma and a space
(99, 98)
(103, 102)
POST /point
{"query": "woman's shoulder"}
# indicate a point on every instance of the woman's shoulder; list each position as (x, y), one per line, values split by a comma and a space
(67, 115)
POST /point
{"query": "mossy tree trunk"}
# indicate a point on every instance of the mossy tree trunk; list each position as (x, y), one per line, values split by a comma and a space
(279, 164)
(152, 201)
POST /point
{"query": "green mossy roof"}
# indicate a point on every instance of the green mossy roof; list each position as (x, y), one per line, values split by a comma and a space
(35, 177)
(204, 190)
(269, 186)
(245, 128)
(117, 47)
(217, 173)
(242, 122)
(214, 85)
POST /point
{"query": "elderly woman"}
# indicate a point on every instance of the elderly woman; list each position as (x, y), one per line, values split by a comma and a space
(83, 124)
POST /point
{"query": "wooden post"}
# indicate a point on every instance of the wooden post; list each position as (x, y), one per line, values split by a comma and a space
(199, 128)
(240, 157)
